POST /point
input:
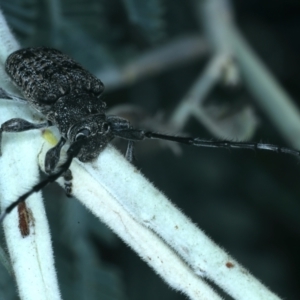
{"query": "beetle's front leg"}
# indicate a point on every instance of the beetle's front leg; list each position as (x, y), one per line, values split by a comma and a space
(68, 182)
(53, 156)
(51, 161)
(18, 125)
(130, 151)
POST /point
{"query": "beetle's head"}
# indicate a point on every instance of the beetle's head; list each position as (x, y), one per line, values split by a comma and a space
(96, 132)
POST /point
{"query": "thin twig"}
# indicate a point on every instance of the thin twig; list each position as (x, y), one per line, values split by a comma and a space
(269, 95)
(220, 68)
(162, 58)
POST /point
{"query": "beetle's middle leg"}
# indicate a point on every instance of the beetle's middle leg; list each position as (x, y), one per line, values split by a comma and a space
(19, 125)
(51, 162)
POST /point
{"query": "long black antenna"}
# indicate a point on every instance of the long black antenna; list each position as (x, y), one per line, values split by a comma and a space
(198, 142)
(71, 153)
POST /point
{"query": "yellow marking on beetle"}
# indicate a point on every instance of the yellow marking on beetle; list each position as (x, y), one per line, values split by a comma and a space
(49, 137)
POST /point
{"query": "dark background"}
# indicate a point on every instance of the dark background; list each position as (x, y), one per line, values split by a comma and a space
(247, 201)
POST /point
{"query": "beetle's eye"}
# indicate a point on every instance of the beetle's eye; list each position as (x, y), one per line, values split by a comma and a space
(105, 127)
(83, 133)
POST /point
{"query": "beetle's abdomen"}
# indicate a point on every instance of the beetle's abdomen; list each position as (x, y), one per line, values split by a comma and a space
(45, 74)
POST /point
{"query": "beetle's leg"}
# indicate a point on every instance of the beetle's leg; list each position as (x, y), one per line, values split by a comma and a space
(68, 182)
(130, 151)
(51, 161)
(52, 156)
(18, 125)
(8, 96)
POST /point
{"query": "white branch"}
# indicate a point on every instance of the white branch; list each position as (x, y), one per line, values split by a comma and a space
(152, 209)
(31, 256)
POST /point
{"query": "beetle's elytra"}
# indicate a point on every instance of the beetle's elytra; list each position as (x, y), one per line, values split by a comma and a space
(44, 75)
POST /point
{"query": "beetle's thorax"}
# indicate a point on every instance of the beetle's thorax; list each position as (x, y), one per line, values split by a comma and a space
(82, 115)
(76, 109)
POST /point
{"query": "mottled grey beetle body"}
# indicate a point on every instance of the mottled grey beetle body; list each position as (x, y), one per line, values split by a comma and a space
(65, 93)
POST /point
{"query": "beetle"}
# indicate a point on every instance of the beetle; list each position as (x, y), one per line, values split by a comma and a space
(69, 97)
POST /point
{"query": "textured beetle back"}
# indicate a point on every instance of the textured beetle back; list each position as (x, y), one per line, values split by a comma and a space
(44, 75)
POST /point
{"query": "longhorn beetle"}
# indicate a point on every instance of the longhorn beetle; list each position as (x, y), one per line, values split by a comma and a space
(69, 97)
